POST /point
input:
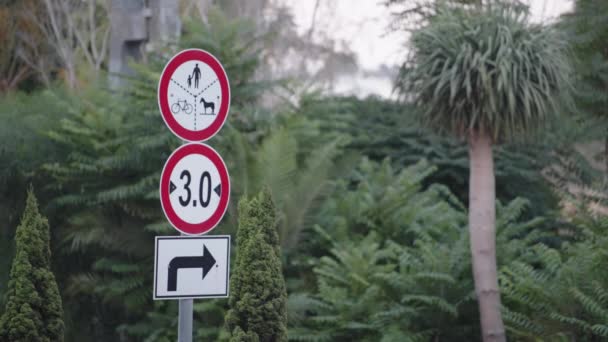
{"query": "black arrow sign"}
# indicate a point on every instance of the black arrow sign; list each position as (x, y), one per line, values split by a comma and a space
(218, 189)
(205, 262)
(172, 187)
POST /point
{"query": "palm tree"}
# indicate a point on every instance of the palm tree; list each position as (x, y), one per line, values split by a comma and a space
(487, 75)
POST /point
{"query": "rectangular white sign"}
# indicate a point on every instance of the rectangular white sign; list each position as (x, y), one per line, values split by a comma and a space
(191, 267)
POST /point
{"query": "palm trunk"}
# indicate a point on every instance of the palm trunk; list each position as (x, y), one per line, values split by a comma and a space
(482, 221)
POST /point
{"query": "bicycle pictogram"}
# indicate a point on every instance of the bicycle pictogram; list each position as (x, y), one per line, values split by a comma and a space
(182, 105)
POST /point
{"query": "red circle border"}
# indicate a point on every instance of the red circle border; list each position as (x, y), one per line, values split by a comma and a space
(163, 101)
(177, 155)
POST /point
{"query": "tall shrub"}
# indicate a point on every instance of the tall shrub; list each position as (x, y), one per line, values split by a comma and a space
(257, 294)
(33, 310)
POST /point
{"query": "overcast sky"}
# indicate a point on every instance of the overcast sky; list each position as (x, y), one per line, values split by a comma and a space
(363, 26)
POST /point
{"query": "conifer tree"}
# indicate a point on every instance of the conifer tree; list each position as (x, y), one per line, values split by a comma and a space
(258, 296)
(33, 308)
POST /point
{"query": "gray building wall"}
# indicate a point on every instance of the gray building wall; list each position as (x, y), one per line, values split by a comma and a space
(137, 27)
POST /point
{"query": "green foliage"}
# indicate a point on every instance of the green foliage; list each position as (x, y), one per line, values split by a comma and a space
(103, 189)
(24, 120)
(160, 324)
(384, 200)
(587, 29)
(33, 310)
(388, 271)
(559, 294)
(23, 149)
(486, 69)
(295, 171)
(391, 276)
(257, 294)
(380, 128)
(399, 265)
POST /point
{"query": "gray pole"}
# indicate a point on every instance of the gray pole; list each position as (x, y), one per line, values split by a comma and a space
(184, 327)
(186, 311)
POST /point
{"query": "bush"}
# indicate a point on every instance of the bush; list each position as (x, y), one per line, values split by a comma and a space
(33, 310)
(257, 292)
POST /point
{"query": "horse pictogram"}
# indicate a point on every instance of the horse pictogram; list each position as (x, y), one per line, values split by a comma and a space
(207, 105)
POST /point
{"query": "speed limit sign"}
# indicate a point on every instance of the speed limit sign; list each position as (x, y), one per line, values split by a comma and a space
(194, 188)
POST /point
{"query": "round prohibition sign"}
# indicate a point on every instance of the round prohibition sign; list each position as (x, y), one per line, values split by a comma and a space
(194, 95)
(194, 189)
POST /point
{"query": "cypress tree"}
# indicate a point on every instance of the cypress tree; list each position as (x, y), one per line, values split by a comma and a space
(33, 309)
(258, 296)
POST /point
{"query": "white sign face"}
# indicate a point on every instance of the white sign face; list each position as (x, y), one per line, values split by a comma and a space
(191, 267)
(194, 100)
(194, 189)
(194, 178)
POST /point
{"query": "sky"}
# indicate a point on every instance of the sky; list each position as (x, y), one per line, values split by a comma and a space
(364, 26)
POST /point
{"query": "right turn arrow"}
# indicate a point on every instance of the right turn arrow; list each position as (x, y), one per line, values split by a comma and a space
(206, 261)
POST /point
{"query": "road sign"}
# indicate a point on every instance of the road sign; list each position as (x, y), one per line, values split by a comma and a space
(194, 95)
(191, 267)
(194, 188)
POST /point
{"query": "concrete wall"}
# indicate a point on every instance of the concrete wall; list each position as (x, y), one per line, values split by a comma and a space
(137, 27)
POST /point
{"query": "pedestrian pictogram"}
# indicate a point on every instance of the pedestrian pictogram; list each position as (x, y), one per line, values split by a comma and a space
(194, 95)
(191, 267)
(194, 188)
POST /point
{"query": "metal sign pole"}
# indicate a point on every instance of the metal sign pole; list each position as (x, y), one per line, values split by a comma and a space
(186, 313)
(184, 323)
(184, 327)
